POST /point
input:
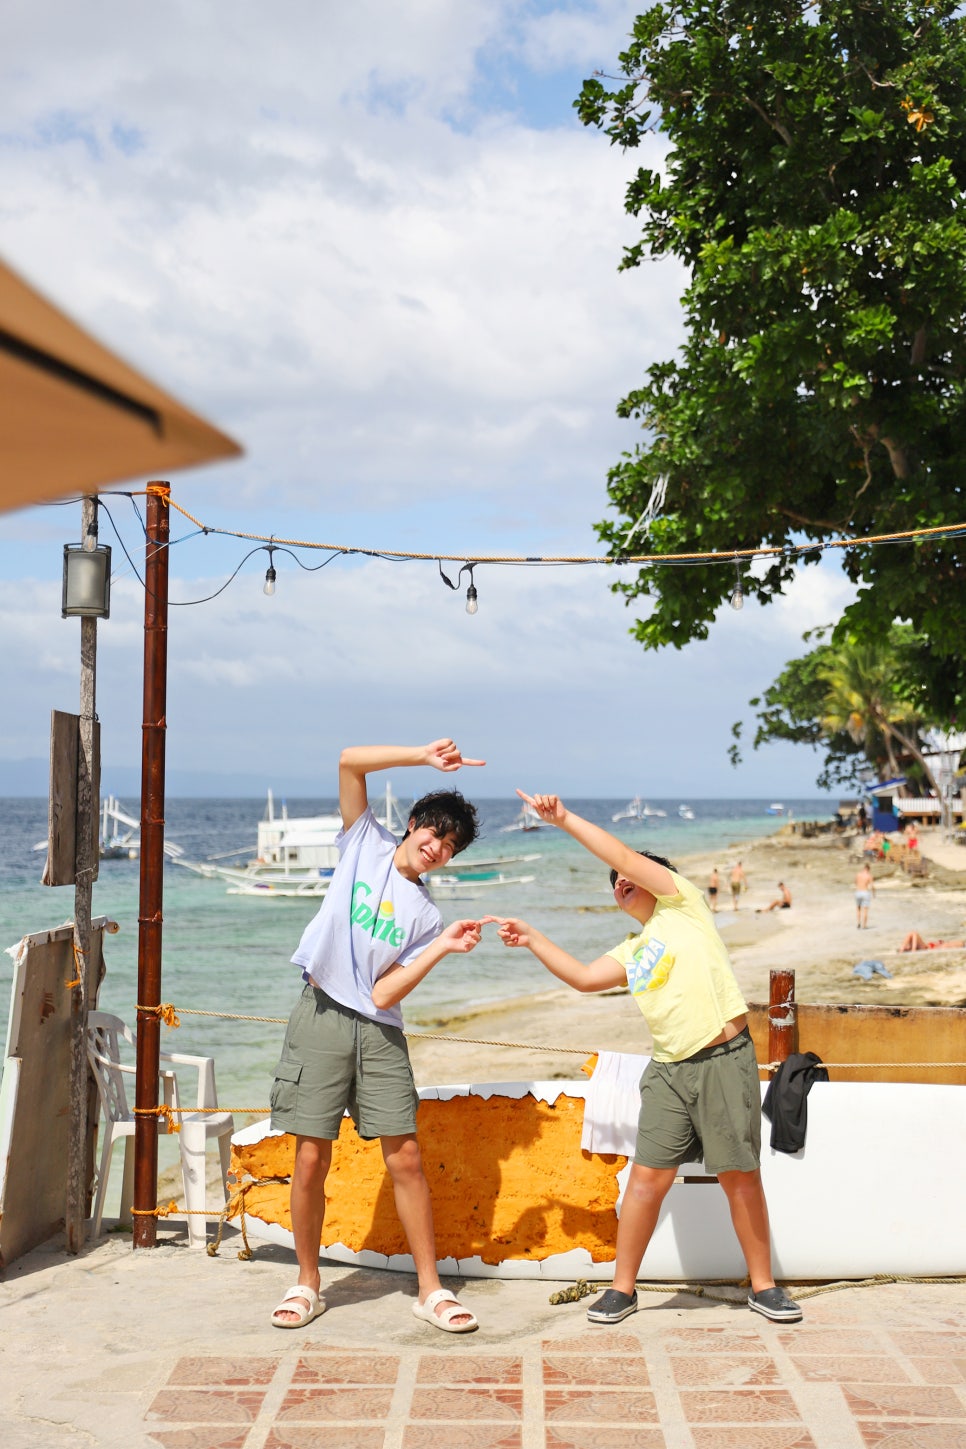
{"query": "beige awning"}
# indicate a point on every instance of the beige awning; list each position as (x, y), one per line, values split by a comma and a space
(74, 417)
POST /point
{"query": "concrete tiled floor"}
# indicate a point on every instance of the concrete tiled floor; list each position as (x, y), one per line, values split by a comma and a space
(173, 1350)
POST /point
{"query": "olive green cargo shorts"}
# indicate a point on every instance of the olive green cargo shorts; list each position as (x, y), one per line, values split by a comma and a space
(333, 1060)
(706, 1108)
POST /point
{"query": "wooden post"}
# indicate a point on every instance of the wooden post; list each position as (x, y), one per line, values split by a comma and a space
(150, 916)
(85, 847)
(782, 1018)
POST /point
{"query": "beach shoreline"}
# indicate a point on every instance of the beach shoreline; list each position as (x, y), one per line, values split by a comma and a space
(549, 1035)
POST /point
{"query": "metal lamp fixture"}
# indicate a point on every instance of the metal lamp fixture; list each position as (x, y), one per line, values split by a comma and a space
(87, 582)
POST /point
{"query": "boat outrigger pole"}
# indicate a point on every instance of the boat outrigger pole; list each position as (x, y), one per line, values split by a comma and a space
(150, 916)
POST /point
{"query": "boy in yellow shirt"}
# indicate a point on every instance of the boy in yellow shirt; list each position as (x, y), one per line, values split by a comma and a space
(700, 1098)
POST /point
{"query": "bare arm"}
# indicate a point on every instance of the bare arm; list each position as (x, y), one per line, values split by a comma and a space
(613, 852)
(358, 761)
(595, 976)
(396, 983)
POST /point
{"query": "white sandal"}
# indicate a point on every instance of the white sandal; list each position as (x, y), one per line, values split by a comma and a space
(427, 1311)
(310, 1306)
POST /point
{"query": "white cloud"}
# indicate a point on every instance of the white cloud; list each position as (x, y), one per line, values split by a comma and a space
(329, 228)
(363, 293)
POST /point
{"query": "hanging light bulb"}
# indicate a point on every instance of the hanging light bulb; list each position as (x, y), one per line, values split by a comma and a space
(737, 597)
(269, 585)
(471, 603)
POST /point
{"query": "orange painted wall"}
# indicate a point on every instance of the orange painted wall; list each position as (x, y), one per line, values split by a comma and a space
(501, 1172)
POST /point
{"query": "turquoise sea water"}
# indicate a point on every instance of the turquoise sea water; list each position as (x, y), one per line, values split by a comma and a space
(232, 953)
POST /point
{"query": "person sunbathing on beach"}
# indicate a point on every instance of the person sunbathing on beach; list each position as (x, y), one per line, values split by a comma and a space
(377, 935)
(700, 1096)
(914, 942)
(782, 901)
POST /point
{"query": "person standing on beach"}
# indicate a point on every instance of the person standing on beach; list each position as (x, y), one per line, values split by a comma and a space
(714, 884)
(864, 891)
(377, 935)
(739, 883)
(700, 1097)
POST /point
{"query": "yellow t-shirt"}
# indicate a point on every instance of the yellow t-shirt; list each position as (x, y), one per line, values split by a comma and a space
(680, 975)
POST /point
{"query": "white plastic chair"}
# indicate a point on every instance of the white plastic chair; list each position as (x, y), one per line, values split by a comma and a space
(105, 1033)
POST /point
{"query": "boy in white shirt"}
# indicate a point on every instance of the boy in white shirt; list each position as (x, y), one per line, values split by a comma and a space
(376, 936)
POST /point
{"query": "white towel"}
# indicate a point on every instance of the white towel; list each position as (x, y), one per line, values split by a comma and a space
(613, 1104)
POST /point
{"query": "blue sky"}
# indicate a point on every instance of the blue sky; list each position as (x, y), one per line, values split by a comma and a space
(374, 244)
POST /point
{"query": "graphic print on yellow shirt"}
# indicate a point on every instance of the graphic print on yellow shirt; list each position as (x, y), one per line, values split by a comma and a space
(680, 975)
(649, 967)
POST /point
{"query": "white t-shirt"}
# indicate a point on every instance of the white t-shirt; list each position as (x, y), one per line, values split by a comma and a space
(372, 917)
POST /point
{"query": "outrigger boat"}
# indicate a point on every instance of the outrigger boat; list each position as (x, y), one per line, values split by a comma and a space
(638, 809)
(295, 854)
(121, 835)
(468, 877)
(528, 819)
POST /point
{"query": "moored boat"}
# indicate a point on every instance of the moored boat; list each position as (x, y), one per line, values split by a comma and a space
(528, 819)
(638, 809)
(295, 855)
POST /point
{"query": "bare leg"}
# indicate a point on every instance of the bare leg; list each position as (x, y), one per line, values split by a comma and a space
(415, 1208)
(749, 1214)
(647, 1187)
(307, 1201)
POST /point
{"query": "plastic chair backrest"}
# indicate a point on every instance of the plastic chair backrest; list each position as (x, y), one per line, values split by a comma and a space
(104, 1036)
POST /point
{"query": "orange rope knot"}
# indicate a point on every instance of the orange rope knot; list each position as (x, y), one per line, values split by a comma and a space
(166, 1112)
(78, 967)
(168, 1014)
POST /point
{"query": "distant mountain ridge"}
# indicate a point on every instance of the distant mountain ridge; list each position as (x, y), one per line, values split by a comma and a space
(29, 778)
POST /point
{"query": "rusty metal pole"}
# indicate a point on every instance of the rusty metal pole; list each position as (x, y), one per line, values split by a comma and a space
(150, 917)
(782, 1017)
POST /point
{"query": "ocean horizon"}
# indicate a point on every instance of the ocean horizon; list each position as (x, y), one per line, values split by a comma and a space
(231, 954)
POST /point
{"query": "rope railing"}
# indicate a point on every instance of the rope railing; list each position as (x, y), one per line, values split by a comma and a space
(171, 1015)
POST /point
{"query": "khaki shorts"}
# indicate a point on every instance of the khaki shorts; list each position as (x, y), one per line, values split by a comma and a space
(334, 1059)
(706, 1108)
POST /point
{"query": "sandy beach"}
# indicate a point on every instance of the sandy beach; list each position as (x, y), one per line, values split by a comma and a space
(554, 1031)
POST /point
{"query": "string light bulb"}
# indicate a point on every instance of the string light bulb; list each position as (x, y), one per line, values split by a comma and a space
(471, 603)
(737, 597)
(269, 586)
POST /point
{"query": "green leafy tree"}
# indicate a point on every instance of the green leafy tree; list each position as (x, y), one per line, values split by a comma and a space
(862, 702)
(814, 190)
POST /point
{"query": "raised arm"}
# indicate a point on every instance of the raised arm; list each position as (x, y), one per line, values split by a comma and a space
(613, 852)
(358, 761)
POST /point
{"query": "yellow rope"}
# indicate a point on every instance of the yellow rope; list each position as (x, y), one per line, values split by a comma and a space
(637, 558)
(69, 985)
(236, 1204)
(171, 1016)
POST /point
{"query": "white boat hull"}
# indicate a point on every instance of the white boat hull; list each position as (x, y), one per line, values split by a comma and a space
(878, 1188)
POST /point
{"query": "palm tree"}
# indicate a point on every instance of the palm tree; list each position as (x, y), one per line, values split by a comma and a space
(865, 698)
